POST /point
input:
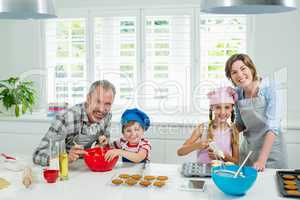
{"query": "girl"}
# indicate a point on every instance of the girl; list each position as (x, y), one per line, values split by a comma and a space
(258, 114)
(218, 131)
(132, 146)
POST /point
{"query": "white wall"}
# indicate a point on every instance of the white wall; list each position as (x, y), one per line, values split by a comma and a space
(276, 44)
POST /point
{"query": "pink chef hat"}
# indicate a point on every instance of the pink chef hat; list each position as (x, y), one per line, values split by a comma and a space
(222, 95)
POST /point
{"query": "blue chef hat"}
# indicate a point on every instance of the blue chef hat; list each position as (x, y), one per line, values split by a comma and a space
(135, 115)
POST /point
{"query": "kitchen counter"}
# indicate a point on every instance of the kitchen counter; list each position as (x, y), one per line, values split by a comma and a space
(84, 184)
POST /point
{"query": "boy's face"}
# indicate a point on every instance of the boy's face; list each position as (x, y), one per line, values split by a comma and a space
(134, 133)
(222, 111)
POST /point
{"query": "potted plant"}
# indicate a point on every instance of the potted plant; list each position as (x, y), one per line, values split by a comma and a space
(17, 95)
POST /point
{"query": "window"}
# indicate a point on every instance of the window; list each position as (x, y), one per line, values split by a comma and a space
(153, 58)
(115, 54)
(168, 58)
(220, 37)
(66, 60)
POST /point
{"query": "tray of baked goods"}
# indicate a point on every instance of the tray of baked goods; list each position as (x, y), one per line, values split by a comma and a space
(138, 180)
(289, 183)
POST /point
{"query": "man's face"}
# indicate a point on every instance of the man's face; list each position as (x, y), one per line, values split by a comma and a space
(99, 104)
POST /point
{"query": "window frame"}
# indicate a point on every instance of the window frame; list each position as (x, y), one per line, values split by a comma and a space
(141, 13)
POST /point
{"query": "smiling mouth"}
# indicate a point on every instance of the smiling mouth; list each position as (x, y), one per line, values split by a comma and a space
(98, 115)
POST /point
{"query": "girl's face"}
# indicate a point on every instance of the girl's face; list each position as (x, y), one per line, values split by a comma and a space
(134, 133)
(240, 74)
(222, 111)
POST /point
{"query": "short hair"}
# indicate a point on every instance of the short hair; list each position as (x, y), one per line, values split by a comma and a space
(246, 60)
(130, 123)
(103, 83)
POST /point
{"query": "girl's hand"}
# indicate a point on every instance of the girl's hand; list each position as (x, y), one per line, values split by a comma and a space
(203, 145)
(259, 165)
(212, 155)
(111, 154)
(103, 141)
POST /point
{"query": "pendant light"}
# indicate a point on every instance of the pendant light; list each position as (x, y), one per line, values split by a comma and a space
(26, 9)
(247, 6)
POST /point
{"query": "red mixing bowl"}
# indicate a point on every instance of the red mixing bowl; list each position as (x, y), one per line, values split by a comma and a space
(95, 161)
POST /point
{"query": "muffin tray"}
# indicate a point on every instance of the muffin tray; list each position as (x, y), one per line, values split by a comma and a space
(289, 183)
(193, 169)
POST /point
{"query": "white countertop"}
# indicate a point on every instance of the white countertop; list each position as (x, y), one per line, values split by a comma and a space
(84, 184)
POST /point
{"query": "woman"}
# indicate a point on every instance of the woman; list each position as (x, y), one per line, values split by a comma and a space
(257, 114)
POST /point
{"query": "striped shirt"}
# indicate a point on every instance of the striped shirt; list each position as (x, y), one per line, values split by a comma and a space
(74, 126)
(135, 148)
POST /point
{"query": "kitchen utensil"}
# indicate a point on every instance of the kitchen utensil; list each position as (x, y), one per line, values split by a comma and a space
(27, 177)
(234, 186)
(7, 156)
(242, 165)
(50, 175)
(94, 159)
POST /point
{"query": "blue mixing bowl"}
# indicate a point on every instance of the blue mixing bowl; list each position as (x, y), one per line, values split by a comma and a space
(234, 186)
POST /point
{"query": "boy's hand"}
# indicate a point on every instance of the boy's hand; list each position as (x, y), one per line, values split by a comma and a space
(111, 154)
(103, 141)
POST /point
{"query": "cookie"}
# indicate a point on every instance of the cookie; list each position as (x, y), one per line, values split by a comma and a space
(136, 176)
(293, 192)
(288, 177)
(125, 176)
(131, 181)
(145, 183)
(117, 181)
(289, 182)
(162, 178)
(159, 183)
(149, 178)
(3, 183)
(291, 187)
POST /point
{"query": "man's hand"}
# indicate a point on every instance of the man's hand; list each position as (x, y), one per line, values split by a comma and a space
(103, 141)
(111, 154)
(75, 152)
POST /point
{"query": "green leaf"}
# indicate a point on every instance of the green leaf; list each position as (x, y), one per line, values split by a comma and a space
(14, 91)
(17, 111)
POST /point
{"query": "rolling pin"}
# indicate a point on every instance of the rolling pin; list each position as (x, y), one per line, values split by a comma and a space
(27, 177)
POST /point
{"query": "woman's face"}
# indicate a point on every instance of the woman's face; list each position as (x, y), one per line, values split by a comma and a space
(222, 112)
(240, 74)
(133, 134)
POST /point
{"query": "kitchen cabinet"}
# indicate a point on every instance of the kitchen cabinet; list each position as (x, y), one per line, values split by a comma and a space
(23, 135)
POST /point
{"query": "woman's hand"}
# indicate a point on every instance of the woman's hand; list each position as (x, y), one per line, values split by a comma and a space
(259, 165)
(111, 154)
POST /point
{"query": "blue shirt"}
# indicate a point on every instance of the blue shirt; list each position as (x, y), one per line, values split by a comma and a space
(269, 90)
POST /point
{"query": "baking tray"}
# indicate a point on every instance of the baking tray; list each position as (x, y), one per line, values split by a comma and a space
(281, 184)
(193, 169)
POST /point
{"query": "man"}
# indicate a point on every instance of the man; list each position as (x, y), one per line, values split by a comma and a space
(81, 125)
